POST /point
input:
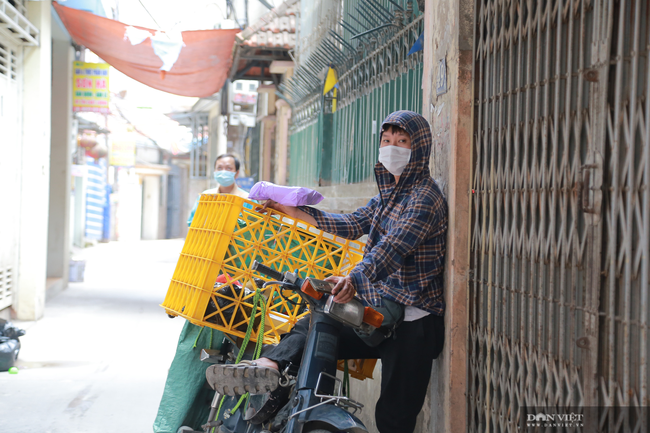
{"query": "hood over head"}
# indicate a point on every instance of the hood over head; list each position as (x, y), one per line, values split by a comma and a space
(418, 166)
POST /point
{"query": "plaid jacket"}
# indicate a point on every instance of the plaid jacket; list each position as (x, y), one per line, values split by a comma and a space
(406, 226)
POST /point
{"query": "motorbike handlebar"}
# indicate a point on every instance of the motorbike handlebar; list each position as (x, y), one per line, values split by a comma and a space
(269, 272)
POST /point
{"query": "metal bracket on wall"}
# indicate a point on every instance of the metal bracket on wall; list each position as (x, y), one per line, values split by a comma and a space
(590, 187)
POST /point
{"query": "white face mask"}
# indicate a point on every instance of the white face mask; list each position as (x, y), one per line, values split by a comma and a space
(394, 158)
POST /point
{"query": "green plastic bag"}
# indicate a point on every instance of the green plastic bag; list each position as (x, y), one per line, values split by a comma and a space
(185, 400)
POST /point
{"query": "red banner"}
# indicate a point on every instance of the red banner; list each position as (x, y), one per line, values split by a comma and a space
(200, 70)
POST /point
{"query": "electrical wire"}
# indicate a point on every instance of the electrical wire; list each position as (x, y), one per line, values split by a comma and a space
(154, 20)
(266, 4)
(282, 284)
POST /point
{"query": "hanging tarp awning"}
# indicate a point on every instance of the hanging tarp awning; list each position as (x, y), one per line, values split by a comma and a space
(200, 69)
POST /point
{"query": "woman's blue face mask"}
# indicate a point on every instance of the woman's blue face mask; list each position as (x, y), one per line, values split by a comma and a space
(224, 177)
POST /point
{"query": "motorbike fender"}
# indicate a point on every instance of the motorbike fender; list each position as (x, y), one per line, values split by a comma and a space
(339, 419)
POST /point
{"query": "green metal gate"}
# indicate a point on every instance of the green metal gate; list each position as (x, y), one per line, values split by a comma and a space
(340, 146)
(356, 126)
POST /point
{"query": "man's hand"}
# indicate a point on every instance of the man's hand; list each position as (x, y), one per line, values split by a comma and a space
(288, 210)
(344, 289)
(292, 211)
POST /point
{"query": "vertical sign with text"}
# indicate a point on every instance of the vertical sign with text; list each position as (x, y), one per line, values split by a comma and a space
(90, 87)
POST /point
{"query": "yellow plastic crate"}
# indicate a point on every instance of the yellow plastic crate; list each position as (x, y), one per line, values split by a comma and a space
(225, 237)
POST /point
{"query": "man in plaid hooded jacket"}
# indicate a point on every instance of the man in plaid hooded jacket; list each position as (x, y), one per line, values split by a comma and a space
(406, 224)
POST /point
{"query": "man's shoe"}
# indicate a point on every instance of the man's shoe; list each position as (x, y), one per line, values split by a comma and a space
(238, 379)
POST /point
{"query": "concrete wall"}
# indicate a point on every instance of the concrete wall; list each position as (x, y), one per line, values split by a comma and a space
(185, 196)
(449, 36)
(128, 215)
(150, 207)
(267, 144)
(30, 299)
(196, 187)
(267, 125)
(163, 191)
(218, 135)
(152, 174)
(346, 198)
(58, 243)
(283, 115)
(79, 211)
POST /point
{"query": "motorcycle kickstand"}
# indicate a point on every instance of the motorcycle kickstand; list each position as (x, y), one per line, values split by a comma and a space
(212, 422)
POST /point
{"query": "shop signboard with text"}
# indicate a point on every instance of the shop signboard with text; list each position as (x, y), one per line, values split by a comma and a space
(90, 87)
(122, 152)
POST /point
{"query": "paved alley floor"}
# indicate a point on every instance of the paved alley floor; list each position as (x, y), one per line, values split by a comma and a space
(97, 361)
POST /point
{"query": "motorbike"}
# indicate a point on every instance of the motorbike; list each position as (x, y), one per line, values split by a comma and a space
(301, 399)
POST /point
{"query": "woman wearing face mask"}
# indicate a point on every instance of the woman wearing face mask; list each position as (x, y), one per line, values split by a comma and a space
(226, 170)
(406, 224)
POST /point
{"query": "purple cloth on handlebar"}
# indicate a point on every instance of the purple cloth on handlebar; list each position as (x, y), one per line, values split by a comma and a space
(286, 195)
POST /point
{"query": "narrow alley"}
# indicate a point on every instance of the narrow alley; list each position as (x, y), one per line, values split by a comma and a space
(473, 174)
(98, 359)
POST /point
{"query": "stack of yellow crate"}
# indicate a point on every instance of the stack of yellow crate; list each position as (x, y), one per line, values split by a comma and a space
(226, 235)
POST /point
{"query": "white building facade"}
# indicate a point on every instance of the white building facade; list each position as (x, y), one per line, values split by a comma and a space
(35, 141)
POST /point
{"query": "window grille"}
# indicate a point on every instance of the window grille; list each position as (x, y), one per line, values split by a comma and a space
(6, 287)
(15, 25)
(8, 62)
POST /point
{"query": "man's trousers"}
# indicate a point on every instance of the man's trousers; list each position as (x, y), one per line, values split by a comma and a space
(406, 360)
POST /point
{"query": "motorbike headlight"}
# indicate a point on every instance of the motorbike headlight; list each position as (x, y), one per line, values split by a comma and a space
(350, 313)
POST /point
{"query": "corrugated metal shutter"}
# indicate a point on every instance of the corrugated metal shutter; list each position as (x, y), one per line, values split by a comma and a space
(560, 214)
(624, 345)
